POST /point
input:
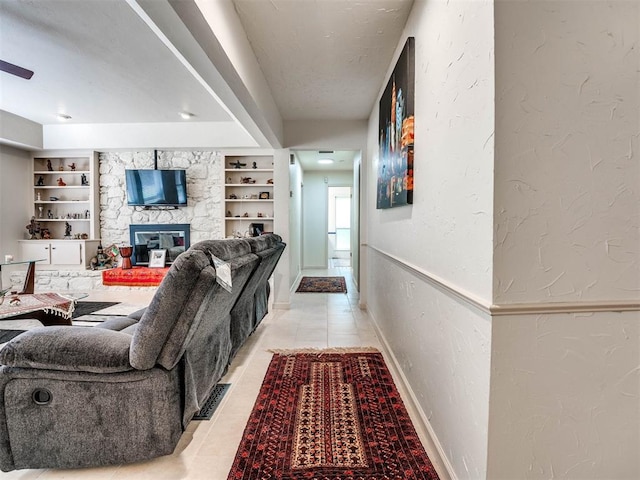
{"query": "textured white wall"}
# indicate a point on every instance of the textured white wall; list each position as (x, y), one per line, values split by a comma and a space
(205, 186)
(15, 198)
(442, 344)
(567, 142)
(565, 388)
(564, 397)
(448, 229)
(443, 349)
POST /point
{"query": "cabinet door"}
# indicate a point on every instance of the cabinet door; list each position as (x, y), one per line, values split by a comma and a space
(35, 251)
(66, 253)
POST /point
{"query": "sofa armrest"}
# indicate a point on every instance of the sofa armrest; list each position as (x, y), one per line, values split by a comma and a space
(78, 349)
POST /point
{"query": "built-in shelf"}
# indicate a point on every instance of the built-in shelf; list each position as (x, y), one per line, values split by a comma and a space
(241, 213)
(76, 202)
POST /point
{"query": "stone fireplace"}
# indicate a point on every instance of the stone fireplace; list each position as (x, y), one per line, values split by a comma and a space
(205, 194)
(173, 238)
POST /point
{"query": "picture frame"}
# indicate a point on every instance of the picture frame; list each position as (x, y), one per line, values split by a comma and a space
(264, 195)
(396, 127)
(157, 258)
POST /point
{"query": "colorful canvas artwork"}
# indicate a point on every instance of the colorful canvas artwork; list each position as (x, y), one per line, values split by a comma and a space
(395, 168)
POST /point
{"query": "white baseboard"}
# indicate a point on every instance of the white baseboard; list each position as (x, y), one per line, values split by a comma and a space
(281, 305)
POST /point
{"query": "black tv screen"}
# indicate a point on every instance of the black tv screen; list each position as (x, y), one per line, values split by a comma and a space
(156, 187)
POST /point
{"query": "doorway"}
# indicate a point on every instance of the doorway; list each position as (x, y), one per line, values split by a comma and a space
(339, 226)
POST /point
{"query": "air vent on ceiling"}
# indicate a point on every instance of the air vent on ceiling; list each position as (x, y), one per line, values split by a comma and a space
(322, 152)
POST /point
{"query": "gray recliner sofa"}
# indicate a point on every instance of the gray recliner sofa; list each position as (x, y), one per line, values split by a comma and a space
(125, 391)
(252, 306)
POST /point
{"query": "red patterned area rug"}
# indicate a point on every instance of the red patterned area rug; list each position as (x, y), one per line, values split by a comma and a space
(134, 277)
(330, 415)
(322, 285)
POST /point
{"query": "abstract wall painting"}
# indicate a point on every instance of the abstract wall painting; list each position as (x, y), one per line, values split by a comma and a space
(395, 168)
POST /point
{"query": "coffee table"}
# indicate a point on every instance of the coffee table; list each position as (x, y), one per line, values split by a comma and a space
(49, 308)
(29, 280)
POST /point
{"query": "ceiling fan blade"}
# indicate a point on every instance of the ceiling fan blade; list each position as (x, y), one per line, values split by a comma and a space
(15, 70)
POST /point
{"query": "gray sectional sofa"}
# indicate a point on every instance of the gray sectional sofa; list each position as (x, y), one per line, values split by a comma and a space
(125, 391)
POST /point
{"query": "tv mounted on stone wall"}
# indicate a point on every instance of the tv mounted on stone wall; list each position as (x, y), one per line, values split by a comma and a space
(156, 188)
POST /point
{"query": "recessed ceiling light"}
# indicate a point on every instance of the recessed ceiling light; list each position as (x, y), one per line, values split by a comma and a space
(186, 115)
(325, 161)
(62, 116)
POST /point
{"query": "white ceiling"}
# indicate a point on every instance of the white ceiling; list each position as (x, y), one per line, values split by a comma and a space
(99, 62)
(96, 61)
(324, 59)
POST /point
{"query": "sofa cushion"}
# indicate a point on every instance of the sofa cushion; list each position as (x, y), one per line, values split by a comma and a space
(79, 349)
(119, 324)
(176, 301)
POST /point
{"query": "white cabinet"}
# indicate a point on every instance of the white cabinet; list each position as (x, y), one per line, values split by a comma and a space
(65, 194)
(248, 194)
(59, 253)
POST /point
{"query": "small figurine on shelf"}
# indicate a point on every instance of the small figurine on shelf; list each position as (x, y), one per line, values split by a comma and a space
(40, 208)
(38, 196)
(40, 182)
(247, 180)
(61, 182)
(254, 166)
(73, 167)
(33, 228)
(46, 234)
(270, 181)
(49, 167)
(233, 196)
(237, 164)
(61, 167)
(83, 180)
(49, 214)
(67, 230)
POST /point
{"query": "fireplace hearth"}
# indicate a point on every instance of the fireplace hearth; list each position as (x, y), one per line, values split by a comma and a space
(173, 238)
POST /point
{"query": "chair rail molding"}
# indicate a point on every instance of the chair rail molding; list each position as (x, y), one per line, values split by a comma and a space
(502, 309)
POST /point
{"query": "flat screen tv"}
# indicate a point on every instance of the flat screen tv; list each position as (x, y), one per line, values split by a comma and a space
(156, 188)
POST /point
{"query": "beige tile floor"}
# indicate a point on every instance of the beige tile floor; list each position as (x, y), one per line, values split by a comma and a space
(207, 448)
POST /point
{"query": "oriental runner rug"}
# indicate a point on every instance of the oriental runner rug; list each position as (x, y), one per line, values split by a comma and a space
(330, 415)
(322, 285)
(134, 277)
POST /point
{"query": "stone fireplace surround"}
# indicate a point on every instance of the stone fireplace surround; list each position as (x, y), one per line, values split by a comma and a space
(205, 194)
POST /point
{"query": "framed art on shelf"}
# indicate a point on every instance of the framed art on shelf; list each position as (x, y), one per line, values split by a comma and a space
(157, 258)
